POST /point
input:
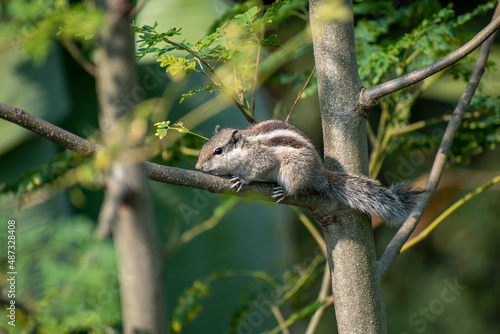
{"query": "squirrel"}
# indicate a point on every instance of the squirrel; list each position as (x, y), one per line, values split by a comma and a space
(276, 151)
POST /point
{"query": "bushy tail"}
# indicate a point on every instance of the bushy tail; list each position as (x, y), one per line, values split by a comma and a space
(366, 195)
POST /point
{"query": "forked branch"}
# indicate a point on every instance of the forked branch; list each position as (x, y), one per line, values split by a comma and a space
(393, 249)
(369, 96)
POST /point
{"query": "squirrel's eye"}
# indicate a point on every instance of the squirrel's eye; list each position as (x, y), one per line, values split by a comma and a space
(218, 150)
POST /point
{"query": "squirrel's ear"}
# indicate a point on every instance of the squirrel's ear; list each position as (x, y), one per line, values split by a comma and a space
(217, 128)
(236, 136)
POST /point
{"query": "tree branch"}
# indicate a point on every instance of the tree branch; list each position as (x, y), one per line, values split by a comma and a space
(217, 81)
(322, 296)
(369, 96)
(155, 172)
(300, 94)
(75, 52)
(393, 249)
(48, 130)
(423, 234)
(256, 73)
(430, 121)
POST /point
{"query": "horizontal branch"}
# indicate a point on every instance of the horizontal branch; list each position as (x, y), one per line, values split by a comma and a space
(47, 130)
(394, 248)
(369, 96)
(155, 172)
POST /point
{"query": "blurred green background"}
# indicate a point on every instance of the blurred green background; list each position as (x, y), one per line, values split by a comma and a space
(67, 280)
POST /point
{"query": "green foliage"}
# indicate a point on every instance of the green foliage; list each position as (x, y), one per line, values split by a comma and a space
(285, 10)
(290, 288)
(163, 127)
(272, 40)
(263, 291)
(428, 40)
(150, 38)
(174, 65)
(35, 24)
(67, 285)
(73, 270)
(478, 132)
(189, 305)
(425, 32)
(383, 55)
(234, 42)
(296, 81)
(273, 10)
(208, 88)
(47, 173)
(480, 9)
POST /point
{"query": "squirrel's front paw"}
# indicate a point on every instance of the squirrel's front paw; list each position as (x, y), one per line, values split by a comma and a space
(278, 193)
(237, 182)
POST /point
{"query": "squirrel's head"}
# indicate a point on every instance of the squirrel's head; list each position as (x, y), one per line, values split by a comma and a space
(218, 155)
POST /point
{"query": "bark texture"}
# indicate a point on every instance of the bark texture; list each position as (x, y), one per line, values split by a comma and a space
(357, 294)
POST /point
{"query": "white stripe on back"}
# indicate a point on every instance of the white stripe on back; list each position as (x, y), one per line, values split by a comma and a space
(280, 133)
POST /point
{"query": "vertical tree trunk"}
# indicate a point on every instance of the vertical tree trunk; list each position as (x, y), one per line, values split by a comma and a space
(126, 208)
(357, 293)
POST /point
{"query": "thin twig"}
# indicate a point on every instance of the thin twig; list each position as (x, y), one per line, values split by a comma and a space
(297, 284)
(369, 96)
(194, 54)
(372, 139)
(427, 83)
(300, 94)
(207, 76)
(280, 319)
(422, 235)
(256, 76)
(310, 227)
(377, 149)
(422, 124)
(137, 8)
(322, 296)
(381, 153)
(218, 80)
(73, 50)
(219, 212)
(393, 249)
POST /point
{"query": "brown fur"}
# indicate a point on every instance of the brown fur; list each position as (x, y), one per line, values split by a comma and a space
(279, 152)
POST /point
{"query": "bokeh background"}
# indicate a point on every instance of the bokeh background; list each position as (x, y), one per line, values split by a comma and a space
(67, 279)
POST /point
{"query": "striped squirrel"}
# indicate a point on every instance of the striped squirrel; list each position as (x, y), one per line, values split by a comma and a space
(278, 152)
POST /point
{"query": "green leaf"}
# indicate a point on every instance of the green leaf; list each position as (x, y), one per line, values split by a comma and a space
(209, 89)
(207, 41)
(69, 275)
(173, 32)
(271, 41)
(174, 65)
(46, 174)
(189, 306)
(162, 125)
(249, 16)
(271, 11)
